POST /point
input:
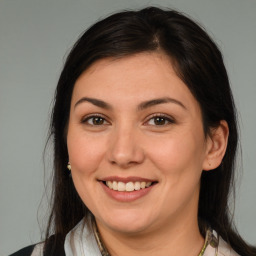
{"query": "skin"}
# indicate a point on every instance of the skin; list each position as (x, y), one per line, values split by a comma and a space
(129, 141)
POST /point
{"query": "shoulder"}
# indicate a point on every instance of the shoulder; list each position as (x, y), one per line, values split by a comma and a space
(225, 250)
(41, 250)
(217, 246)
(26, 251)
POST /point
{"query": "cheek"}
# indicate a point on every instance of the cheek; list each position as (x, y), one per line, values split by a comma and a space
(179, 160)
(85, 155)
(85, 152)
(178, 154)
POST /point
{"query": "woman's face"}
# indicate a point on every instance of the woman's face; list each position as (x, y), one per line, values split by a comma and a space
(136, 144)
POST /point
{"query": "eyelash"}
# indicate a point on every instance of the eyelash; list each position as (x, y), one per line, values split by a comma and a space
(87, 118)
(164, 118)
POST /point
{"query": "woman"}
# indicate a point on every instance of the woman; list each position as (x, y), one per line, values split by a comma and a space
(145, 138)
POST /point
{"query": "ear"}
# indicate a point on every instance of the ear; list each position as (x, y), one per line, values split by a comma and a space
(216, 146)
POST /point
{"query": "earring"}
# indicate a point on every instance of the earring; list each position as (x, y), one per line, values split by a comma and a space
(69, 166)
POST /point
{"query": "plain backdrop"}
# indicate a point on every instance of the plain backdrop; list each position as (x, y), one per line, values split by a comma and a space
(35, 36)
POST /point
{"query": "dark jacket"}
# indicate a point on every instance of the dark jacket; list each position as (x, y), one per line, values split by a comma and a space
(48, 250)
(25, 251)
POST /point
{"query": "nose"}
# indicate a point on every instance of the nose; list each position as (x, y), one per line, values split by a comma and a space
(124, 148)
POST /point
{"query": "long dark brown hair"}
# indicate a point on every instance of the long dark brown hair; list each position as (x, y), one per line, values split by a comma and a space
(197, 61)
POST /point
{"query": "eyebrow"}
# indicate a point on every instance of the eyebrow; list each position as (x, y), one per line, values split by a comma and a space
(154, 102)
(141, 106)
(96, 102)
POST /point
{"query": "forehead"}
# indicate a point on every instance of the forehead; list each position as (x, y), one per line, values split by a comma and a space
(138, 77)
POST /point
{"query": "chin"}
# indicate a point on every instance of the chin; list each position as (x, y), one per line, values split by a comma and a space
(127, 228)
(127, 223)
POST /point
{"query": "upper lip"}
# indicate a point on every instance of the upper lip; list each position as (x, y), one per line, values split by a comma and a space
(126, 179)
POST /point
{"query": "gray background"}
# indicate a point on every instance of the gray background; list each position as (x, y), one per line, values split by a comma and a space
(35, 35)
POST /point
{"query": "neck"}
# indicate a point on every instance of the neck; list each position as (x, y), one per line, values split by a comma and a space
(173, 239)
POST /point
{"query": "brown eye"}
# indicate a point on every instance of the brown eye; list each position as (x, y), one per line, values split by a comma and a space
(95, 120)
(160, 120)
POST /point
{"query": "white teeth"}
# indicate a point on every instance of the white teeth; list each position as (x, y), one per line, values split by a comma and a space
(148, 184)
(143, 184)
(120, 186)
(137, 185)
(129, 186)
(114, 185)
(109, 184)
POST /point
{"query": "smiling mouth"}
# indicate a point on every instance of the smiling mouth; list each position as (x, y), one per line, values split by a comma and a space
(128, 186)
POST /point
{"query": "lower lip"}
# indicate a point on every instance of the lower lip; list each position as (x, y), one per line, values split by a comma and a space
(124, 196)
